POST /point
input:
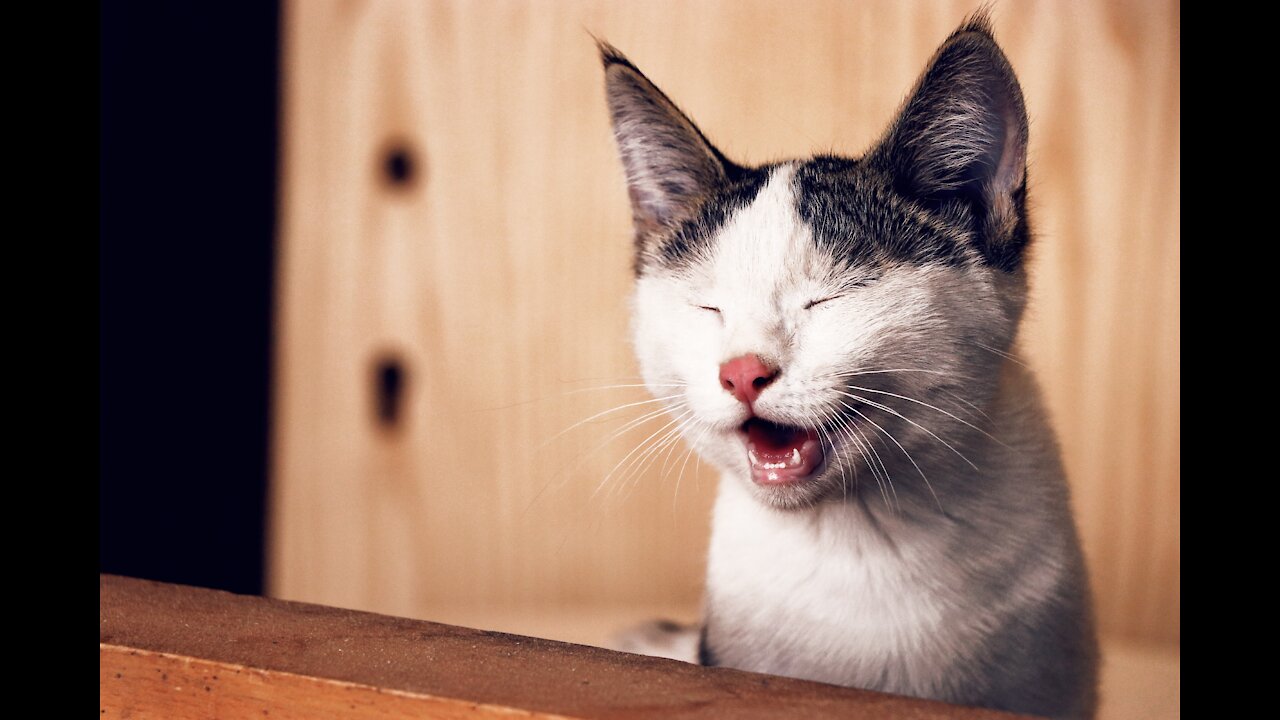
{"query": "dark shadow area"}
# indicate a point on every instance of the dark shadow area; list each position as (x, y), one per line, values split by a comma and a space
(188, 98)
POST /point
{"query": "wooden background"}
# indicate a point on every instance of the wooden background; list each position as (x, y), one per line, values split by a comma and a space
(498, 276)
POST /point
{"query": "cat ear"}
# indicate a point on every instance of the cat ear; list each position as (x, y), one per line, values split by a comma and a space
(670, 165)
(962, 135)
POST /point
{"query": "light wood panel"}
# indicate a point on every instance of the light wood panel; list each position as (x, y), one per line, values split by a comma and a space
(500, 274)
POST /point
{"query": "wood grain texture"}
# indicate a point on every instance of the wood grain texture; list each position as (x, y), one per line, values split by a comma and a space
(141, 685)
(176, 652)
(500, 276)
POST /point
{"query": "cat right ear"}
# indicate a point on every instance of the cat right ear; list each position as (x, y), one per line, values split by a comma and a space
(962, 136)
(670, 166)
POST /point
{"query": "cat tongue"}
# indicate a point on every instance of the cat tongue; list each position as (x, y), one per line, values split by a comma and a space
(781, 454)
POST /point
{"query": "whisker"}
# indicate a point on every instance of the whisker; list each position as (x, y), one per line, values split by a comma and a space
(883, 468)
(634, 450)
(878, 371)
(544, 398)
(564, 474)
(848, 431)
(821, 419)
(900, 447)
(579, 391)
(619, 432)
(628, 467)
(966, 402)
(855, 373)
(609, 411)
(1001, 353)
(931, 407)
(679, 433)
(636, 468)
(674, 500)
(890, 410)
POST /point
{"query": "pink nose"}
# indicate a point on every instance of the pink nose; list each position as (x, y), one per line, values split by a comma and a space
(746, 376)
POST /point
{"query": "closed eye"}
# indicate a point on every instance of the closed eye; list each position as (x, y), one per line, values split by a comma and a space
(812, 303)
(715, 310)
(845, 289)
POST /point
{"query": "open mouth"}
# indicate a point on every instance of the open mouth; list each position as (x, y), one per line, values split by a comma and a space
(781, 454)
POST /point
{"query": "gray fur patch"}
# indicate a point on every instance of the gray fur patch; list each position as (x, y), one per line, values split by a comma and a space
(857, 218)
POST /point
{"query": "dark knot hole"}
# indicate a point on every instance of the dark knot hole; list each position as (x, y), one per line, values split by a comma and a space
(389, 381)
(400, 165)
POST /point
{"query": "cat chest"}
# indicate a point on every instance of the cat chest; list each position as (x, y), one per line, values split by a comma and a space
(841, 608)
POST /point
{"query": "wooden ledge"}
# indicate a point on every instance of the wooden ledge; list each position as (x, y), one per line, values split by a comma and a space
(171, 651)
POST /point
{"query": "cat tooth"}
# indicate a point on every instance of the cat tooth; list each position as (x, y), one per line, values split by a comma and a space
(795, 458)
(757, 463)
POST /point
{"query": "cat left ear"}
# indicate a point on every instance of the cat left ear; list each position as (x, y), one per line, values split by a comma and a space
(670, 166)
(962, 135)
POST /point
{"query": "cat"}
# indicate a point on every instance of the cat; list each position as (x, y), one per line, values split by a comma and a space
(892, 512)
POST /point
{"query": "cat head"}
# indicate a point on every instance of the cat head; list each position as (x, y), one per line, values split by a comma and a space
(827, 321)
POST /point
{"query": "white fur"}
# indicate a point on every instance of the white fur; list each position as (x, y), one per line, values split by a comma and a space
(774, 571)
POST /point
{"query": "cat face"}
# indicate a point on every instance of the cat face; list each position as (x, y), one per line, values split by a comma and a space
(824, 325)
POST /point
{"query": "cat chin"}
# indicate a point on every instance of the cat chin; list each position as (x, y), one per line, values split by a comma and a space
(794, 497)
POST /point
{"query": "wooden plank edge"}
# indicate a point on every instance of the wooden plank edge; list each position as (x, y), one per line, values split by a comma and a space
(400, 657)
(141, 684)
